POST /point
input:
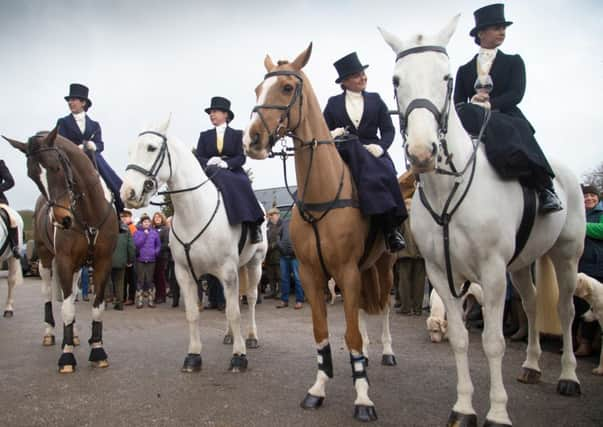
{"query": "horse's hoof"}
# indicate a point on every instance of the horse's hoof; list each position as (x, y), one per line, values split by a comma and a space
(8, 313)
(192, 363)
(228, 340)
(312, 402)
(456, 419)
(238, 363)
(66, 369)
(48, 340)
(389, 360)
(251, 343)
(489, 423)
(100, 363)
(568, 388)
(365, 413)
(76, 340)
(529, 376)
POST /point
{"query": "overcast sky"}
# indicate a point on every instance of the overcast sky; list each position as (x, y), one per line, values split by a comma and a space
(146, 59)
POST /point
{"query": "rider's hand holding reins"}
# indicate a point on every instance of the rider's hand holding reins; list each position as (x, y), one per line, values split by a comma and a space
(375, 149)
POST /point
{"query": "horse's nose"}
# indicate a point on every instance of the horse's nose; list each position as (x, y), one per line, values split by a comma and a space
(66, 222)
(131, 194)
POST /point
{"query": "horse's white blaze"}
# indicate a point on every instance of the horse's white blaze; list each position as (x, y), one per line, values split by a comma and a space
(265, 88)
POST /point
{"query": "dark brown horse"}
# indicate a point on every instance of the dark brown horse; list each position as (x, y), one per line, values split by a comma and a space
(328, 242)
(74, 226)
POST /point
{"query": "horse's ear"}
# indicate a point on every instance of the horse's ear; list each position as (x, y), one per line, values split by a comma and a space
(394, 42)
(50, 138)
(164, 127)
(268, 64)
(446, 33)
(21, 146)
(303, 58)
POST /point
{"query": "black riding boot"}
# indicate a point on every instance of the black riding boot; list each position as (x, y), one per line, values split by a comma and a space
(255, 232)
(549, 202)
(13, 239)
(393, 237)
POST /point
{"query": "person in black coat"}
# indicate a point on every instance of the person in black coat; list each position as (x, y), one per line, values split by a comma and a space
(80, 129)
(220, 152)
(6, 183)
(497, 81)
(362, 114)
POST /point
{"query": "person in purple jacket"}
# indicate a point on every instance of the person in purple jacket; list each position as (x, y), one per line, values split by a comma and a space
(148, 245)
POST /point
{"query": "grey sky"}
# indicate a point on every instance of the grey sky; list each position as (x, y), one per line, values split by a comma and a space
(145, 59)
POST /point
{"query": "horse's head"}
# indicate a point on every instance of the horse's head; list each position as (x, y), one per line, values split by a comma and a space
(280, 100)
(149, 166)
(49, 167)
(423, 88)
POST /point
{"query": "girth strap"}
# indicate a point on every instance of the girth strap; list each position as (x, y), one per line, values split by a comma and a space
(527, 221)
(319, 250)
(338, 203)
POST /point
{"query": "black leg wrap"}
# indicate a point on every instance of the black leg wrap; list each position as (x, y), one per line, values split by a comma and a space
(238, 363)
(312, 402)
(97, 354)
(192, 363)
(325, 363)
(365, 413)
(358, 374)
(67, 359)
(48, 317)
(97, 332)
(67, 335)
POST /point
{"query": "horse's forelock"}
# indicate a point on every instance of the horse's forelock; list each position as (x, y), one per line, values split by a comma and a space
(282, 62)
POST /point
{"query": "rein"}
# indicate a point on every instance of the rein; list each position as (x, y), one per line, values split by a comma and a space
(91, 232)
(280, 132)
(150, 184)
(442, 116)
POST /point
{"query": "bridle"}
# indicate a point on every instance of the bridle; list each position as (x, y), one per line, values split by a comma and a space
(442, 116)
(150, 174)
(280, 130)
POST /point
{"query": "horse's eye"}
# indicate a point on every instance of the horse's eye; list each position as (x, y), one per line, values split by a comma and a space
(151, 148)
(396, 81)
(287, 88)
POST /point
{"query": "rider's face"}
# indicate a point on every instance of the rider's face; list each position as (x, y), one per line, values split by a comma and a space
(356, 82)
(217, 117)
(492, 37)
(76, 105)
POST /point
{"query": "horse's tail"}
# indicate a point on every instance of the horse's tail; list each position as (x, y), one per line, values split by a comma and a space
(547, 297)
(374, 294)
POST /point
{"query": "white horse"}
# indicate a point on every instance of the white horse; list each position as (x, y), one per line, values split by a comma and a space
(482, 229)
(15, 273)
(201, 239)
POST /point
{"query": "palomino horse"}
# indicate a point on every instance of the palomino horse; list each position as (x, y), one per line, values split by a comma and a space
(201, 239)
(329, 234)
(74, 225)
(15, 273)
(462, 203)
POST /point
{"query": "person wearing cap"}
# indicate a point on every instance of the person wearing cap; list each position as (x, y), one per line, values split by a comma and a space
(509, 137)
(80, 129)
(6, 183)
(220, 152)
(591, 264)
(273, 255)
(365, 115)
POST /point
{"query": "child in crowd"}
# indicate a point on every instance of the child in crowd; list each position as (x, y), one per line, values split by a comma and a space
(148, 246)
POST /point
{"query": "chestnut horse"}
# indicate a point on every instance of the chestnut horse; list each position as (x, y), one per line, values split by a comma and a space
(74, 225)
(328, 232)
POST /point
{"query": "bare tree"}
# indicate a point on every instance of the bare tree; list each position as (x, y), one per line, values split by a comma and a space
(594, 177)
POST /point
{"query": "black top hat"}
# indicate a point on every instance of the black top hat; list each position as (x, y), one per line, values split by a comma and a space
(347, 66)
(80, 91)
(488, 16)
(222, 104)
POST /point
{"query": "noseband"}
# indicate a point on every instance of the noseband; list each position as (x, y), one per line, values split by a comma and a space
(275, 134)
(150, 183)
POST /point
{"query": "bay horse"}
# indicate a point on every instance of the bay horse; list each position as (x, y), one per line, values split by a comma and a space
(15, 273)
(463, 202)
(201, 239)
(328, 232)
(74, 226)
